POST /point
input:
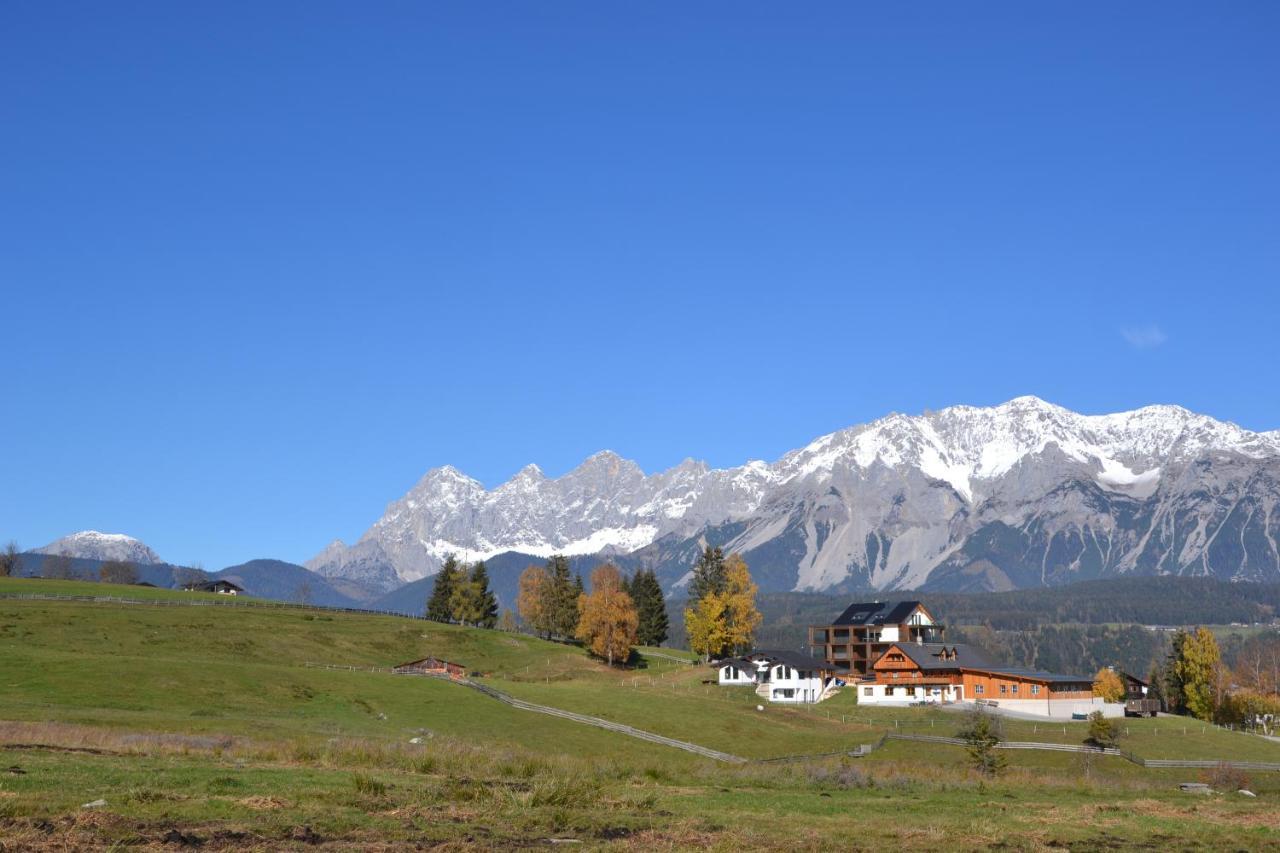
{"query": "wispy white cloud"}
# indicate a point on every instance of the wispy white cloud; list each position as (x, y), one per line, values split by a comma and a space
(1149, 336)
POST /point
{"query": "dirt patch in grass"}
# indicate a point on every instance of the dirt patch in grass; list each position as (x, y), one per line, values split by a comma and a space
(263, 803)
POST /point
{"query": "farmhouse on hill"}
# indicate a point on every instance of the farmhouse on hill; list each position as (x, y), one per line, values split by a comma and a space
(895, 653)
(431, 666)
(780, 676)
(222, 587)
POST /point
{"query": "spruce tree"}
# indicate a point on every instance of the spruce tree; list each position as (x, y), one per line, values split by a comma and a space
(709, 576)
(646, 592)
(440, 605)
(486, 601)
(562, 598)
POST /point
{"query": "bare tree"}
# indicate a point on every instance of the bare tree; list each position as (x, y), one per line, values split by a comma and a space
(304, 592)
(185, 576)
(57, 567)
(10, 560)
(118, 571)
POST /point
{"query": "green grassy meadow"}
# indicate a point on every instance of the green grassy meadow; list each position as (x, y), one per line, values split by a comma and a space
(207, 724)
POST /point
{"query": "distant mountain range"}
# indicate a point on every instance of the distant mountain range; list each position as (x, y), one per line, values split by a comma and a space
(1024, 494)
(1021, 495)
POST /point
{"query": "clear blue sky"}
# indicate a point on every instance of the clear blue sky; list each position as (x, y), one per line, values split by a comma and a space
(264, 264)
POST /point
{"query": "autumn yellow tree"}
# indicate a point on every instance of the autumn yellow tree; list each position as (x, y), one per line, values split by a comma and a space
(533, 600)
(1108, 685)
(707, 626)
(607, 619)
(741, 615)
(1198, 667)
(724, 620)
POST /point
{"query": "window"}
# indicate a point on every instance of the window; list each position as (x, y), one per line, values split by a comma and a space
(1015, 690)
(978, 689)
(868, 691)
(1004, 688)
(1035, 690)
(896, 658)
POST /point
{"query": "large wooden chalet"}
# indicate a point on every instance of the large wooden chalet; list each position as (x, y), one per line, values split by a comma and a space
(864, 631)
(895, 652)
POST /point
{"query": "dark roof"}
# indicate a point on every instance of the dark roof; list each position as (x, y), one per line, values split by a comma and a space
(926, 656)
(740, 663)
(210, 586)
(877, 613)
(1037, 674)
(795, 660)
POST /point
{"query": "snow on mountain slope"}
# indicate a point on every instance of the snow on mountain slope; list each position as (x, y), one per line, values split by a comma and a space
(881, 505)
(92, 545)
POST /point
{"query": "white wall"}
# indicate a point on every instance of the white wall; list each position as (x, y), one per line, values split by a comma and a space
(1061, 709)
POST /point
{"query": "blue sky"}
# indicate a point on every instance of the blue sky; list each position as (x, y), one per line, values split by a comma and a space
(264, 264)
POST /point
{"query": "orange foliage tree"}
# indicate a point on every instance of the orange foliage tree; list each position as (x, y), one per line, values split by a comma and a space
(1108, 684)
(533, 601)
(607, 619)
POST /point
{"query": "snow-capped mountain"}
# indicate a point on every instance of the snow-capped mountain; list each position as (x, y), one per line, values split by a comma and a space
(1019, 494)
(92, 545)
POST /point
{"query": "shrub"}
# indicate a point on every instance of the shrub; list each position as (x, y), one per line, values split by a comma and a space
(1226, 777)
(1103, 733)
(981, 731)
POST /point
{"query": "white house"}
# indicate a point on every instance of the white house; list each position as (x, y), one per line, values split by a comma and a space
(780, 676)
(737, 671)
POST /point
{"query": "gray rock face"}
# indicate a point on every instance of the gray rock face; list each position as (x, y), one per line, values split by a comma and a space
(1021, 494)
(92, 545)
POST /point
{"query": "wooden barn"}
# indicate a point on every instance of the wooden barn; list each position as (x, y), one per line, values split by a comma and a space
(431, 666)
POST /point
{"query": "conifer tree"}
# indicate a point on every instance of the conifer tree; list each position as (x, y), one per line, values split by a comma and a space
(563, 597)
(651, 608)
(464, 601)
(708, 575)
(486, 601)
(1174, 696)
(440, 605)
(607, 617)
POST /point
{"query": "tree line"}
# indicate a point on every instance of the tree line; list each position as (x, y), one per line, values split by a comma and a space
(617, 614)
(614, 617)
(461, 594)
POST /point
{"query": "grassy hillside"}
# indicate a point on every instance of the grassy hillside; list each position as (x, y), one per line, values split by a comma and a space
(207, 722)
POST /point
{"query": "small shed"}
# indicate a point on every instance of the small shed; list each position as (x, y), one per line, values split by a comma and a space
(431, 666)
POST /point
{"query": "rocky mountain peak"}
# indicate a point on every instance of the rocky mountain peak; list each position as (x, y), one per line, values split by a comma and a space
(884, 504)
(95, 545)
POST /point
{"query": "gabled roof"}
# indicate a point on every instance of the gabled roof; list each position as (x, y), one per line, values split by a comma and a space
(795, 660)
(927, 656)
(877, 613)
(740, 663)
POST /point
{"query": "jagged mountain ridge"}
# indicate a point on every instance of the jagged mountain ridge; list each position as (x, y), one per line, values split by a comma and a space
(1024, 493)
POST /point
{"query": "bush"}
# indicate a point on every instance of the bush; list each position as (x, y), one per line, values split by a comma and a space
(842, 776)
(1226, 777)
(982, 730)
(1103, 733)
